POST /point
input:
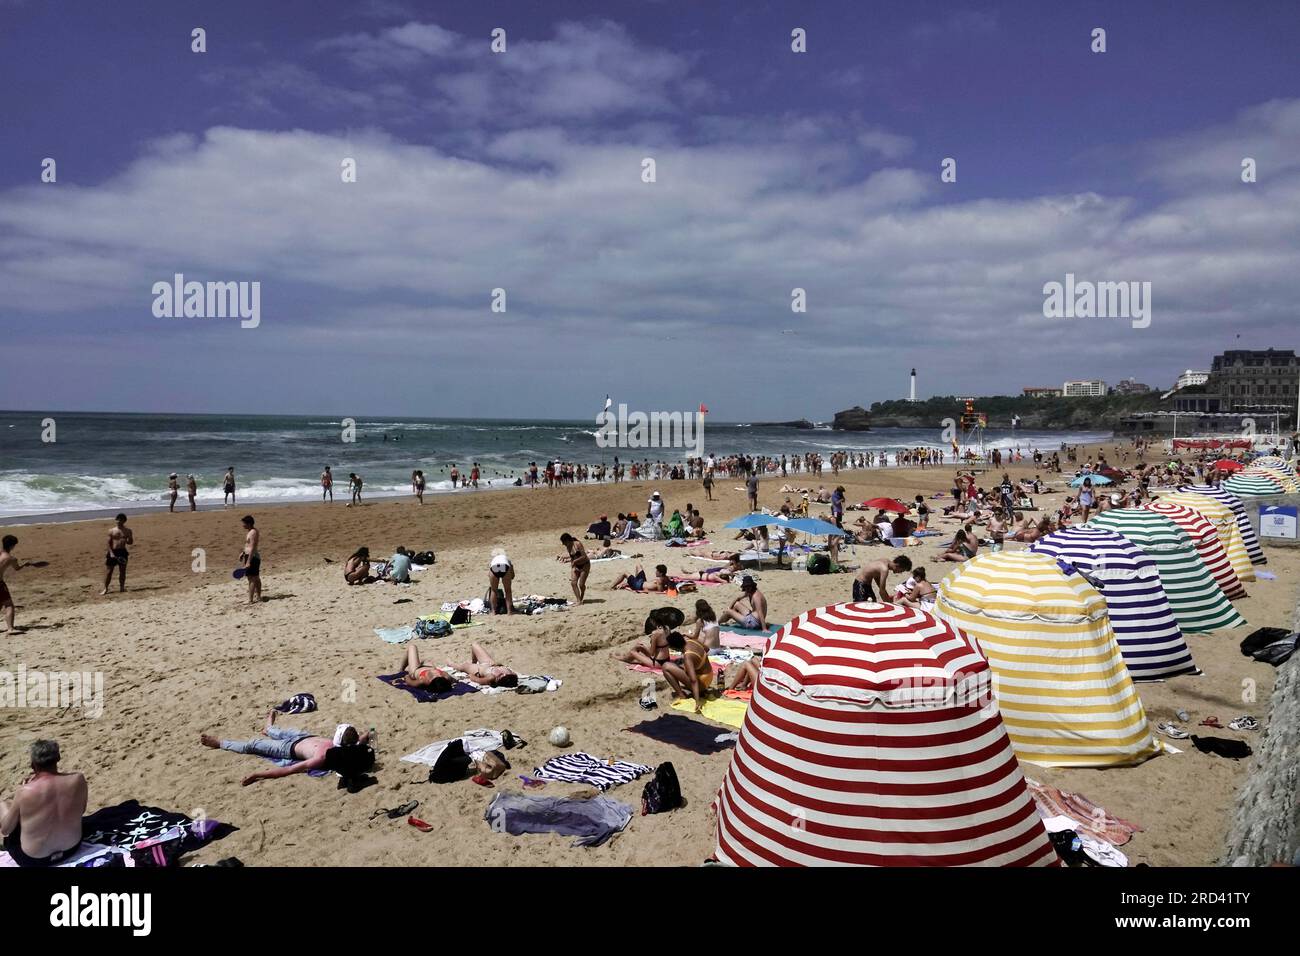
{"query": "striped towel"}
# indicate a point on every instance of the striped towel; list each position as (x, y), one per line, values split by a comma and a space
(584, 768)
(297, 704)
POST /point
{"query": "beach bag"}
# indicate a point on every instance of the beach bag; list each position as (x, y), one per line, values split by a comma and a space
(424, 558)
(432, 628)
(819, 563)
(663, 793)
(160, 851)
(459, 616)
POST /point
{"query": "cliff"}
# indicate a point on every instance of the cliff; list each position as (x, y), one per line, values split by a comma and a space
(855, 419)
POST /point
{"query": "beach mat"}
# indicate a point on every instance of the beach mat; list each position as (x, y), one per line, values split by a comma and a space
(617, 557)
(646, 669)
(757, 640)
(683, 732)
(722, 709)
(423, 694)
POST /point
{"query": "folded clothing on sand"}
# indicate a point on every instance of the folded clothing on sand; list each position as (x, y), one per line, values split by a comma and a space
(584, 768)
(298, 704)
(592, 821)
(685, 733)
(722, 709)
(1096, 821)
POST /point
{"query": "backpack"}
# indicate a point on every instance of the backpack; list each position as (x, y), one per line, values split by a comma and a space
(424, 558)
(819, 563)
(663, 793)
(432, 628)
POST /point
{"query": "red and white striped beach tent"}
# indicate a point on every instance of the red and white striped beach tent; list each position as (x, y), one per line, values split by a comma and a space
(873, 740)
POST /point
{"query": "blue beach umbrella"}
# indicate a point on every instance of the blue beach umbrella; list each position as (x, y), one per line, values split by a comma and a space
(1096, 480)
(755, 520)
(814, 526)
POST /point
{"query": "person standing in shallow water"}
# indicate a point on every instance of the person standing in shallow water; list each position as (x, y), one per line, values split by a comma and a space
(173, 490)
(228, 487)
(191, 490)
(327, 484)
(417, 485)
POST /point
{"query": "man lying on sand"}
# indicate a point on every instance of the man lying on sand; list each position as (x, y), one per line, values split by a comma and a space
(486, 672)
(636, 581)
(42, 825)
(749, 611)
(348, 754)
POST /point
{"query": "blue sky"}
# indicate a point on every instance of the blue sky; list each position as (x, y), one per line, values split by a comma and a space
(522, 170)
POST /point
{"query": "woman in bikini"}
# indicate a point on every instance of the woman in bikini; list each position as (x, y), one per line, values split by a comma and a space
(691, 674)
(358, 567)
(706, 625)
(417, 674)
(652, 653)
(483, 670)
(722, 574)
(579, 563)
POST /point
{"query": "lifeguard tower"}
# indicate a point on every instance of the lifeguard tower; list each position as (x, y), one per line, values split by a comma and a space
(972, 425)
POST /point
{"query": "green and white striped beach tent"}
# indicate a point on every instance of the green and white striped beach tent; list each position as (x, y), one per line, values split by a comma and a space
(1198, 603)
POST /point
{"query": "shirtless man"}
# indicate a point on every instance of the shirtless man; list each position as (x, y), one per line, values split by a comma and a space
(173, 490)
(354, 486)
(349, 755)
(191, 490)
(997, 529)
(636, 581)
(116, 554)
(8, 562)
(748, 611)
(483, 670)
(876, 573)
(251, 559)
(327, 484)
(228, 488)
(42, 825)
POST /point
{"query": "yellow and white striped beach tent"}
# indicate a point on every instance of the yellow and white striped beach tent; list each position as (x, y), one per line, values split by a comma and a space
(1059, 679)
(1224, 520)
(1284, 477)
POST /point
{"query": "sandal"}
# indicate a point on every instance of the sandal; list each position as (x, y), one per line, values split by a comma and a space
(1172, 730)
(397, 812)
(532, 783)
(419, 825)
(1244, 722)
(1212, 722)
(482, 781)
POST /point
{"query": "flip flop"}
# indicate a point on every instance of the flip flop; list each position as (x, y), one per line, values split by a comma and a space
(482, 781)
(1212, 722)
(532, 783)
(419, 825)
(1244, 722)
(393, 814)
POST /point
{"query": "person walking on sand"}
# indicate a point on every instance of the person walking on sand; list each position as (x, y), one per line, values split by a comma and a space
(251, 559)
(579, 564)
(751, 490)
(116, 554)
(7, 563)
(191, 490)
(354, 486)
(327, 484)
(228, 487)
(173, 490)
(417, 485)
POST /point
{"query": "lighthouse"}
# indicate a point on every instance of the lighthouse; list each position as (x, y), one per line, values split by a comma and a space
(912, 395)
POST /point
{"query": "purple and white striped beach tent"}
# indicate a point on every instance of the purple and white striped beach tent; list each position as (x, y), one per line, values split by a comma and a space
(1149, 637)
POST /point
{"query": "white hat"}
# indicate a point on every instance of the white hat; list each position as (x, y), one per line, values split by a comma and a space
(655, 495)
(339, 731)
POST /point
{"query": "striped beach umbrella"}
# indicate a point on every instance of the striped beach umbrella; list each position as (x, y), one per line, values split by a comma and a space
(1061, 682)
(1273, 461)
(1225, 523)
(1253, 486)
(1290, 484)
(871, 740)
(1198, 603)
(1148, 635)
(1248, 536)
(1207, 541)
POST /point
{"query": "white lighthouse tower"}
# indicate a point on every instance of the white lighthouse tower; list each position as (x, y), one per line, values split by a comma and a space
(912, 395)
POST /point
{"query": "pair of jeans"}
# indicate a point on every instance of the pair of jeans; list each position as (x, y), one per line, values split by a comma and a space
(277, 745)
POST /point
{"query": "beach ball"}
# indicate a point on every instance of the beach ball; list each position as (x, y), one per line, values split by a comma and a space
(559, 736)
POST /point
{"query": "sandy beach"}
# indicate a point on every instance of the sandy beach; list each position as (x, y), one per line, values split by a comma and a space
(182, 653)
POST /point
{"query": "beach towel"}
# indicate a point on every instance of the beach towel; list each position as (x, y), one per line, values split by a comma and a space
(1094, 820)
(527, 683)
(592, 821)
(582, 767)
(722, 709)
(423, 694)
(683, 732)
(400, 635)
(297, 704)
(736, 637)
(745, 695)
(472, 740)
(683, 579)
(617, 557)
(718, 668)
(112, 832)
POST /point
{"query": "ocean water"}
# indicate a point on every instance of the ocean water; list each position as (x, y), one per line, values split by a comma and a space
(109, 461)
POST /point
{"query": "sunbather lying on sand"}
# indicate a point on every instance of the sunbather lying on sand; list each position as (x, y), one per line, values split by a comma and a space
(483, 670)
(721, 574)
(636, 581)
(350, 756)
(417, 674)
